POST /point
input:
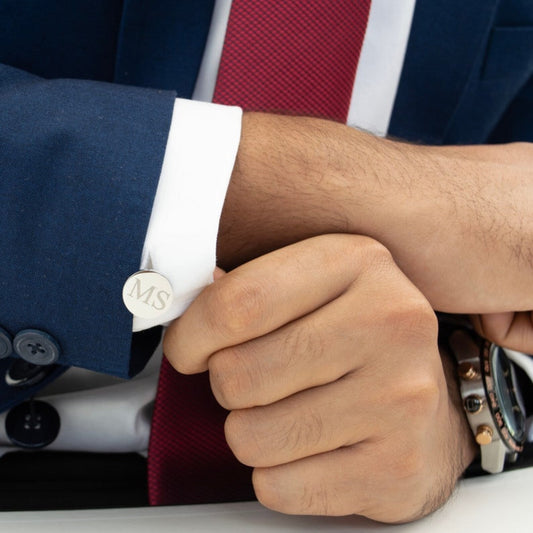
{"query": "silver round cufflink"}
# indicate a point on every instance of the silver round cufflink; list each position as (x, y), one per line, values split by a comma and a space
(147, 294)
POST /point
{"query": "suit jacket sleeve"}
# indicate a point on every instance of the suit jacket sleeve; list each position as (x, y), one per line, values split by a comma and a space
(79, 164)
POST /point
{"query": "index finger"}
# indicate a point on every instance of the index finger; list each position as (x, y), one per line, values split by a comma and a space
(267, 293)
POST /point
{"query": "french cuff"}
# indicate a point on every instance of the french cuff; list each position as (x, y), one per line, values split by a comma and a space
(180, 244)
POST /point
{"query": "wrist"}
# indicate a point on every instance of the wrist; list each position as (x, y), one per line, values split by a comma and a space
(285, 186)
(466, 241)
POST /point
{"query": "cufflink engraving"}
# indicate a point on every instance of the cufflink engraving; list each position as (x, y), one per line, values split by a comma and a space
(147, 294)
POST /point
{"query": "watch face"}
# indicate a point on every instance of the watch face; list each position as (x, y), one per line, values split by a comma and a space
(504, 387)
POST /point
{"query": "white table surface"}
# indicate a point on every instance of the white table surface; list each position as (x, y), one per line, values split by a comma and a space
(495, 504)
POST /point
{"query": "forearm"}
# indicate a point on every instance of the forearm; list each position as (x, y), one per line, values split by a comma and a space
(454, 218)
(295, 178)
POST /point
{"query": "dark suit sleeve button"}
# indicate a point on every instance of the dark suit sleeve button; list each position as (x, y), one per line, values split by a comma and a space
(6, 348)
(24, 374)
(32, 424)
(36, 347)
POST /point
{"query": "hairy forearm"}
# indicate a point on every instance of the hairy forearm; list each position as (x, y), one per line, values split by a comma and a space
(454, 218)
(295, 178)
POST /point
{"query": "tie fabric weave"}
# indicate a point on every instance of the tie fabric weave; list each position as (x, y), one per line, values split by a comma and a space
(294, 57)
(188, 458)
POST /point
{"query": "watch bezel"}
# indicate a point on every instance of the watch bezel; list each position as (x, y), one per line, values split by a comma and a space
(494, 403)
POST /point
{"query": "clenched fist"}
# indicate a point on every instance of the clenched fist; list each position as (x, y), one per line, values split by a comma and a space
(327, 357)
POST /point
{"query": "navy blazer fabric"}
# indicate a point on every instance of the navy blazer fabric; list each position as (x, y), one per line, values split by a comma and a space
(466, 65)
(80, 159)
(86, 96)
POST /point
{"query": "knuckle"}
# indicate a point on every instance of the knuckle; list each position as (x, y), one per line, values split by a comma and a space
(373, 252)
(409, 464)
(302, 341)
(236, 305)
(315, 499)
(375, 249)
(359, 249)
(306, 497)
(260, 437)
(401, 483)
(410, 475)
(399, 512)
(232, 379)
(420, 316)
(267, 489)
(419, 396)
(414, 321)
(297, 431)
(182, 366)
(242, 438)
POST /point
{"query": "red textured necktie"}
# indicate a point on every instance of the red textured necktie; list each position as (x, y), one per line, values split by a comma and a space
(297, 57)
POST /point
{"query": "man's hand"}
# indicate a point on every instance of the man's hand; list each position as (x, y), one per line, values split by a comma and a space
(327, 357)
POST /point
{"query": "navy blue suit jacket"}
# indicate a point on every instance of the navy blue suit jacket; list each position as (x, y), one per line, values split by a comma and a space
(86, 96)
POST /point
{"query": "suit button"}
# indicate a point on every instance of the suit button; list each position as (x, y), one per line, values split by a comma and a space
(36, 347)
(24, 374)
(6, 348)
(32, 424)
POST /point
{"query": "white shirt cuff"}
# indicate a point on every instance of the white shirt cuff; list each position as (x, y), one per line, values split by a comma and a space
(181, 237)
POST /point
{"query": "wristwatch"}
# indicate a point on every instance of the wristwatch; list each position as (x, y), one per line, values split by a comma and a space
(491, 398)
